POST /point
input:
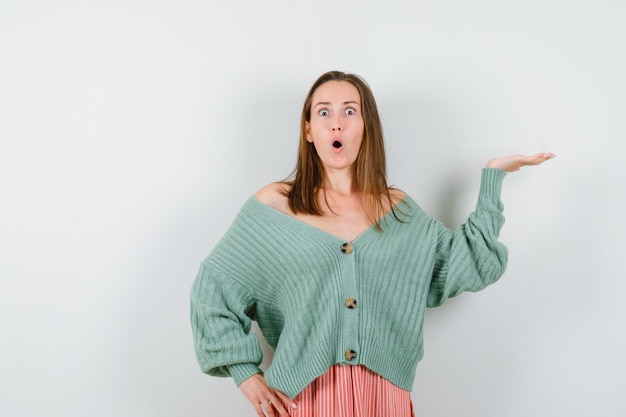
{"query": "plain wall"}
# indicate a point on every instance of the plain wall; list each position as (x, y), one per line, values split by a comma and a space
(133, 131)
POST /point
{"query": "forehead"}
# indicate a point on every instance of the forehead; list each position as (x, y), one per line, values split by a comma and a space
(336, 91)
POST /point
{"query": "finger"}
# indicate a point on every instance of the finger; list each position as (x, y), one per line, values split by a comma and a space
(286, 400)
(542, 157)
(536, 159)
(259, 410)
(266, 409)
(279, 407)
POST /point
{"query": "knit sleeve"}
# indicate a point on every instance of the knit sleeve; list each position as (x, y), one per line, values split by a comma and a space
(471, 258)
(221, 319)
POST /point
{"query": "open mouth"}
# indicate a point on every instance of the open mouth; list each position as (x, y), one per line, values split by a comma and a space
(337, 144)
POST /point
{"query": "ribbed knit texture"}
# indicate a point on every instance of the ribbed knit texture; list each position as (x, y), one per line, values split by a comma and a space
(294, 279)
(351, 391)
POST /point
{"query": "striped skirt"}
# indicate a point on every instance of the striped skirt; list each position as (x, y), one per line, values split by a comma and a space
(352, 391)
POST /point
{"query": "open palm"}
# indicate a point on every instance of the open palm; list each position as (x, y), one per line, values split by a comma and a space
(515, 162)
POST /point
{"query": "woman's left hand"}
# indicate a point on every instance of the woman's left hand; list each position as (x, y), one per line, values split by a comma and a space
(515, 162)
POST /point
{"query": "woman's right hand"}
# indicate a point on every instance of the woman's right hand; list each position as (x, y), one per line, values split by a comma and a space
(265, 399)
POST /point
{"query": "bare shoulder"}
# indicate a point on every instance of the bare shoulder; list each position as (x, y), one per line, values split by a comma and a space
(274, 195)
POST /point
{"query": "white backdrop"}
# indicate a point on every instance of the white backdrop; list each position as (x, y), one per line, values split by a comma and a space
(132, 131)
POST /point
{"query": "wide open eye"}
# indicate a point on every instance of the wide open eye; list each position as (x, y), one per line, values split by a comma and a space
(323, 113)
(350, 112)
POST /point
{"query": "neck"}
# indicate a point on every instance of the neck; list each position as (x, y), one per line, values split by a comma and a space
(340, 183)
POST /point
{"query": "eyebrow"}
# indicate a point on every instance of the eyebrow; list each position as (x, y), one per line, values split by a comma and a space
(326, 103)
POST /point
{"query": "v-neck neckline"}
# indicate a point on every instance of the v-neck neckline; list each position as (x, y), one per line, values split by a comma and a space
(301, 223)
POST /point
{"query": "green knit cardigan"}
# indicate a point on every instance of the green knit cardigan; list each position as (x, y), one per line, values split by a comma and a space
(320, 301)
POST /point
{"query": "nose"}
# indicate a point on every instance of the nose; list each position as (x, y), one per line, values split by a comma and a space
(336, 124)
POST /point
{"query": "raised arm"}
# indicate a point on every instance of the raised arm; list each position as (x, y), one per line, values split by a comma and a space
(471, 258)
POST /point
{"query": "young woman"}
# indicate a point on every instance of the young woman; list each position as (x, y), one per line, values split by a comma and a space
(338, 268)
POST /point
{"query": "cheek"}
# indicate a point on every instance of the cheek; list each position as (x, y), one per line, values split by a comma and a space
(360, 134)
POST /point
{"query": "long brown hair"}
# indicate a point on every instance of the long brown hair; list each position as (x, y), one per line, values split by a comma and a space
(370, 171)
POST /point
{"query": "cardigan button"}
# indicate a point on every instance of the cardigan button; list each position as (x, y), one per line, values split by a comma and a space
(346, 248)
(351, 303)
(350, 354)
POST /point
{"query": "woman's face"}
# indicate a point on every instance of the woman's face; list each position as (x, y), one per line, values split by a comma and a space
(336, 124)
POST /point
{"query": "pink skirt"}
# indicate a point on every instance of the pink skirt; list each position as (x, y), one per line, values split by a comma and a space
(352, 391)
